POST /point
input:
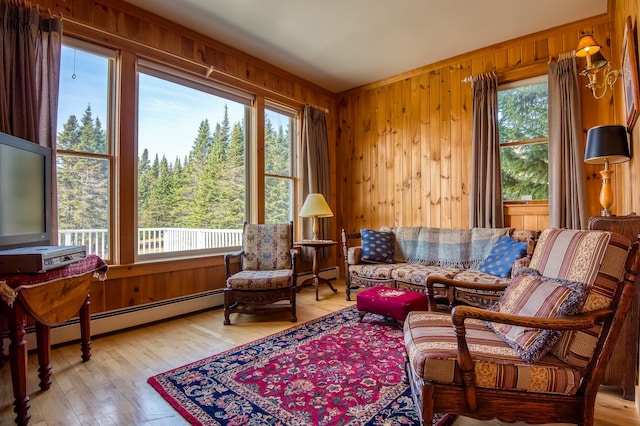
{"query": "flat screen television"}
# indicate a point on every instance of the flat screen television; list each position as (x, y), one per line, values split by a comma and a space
(25, 193)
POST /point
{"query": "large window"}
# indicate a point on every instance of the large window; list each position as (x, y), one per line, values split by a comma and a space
(280, 131)
(84, 147)
(524, 129)
(192, 143)
(191, 164)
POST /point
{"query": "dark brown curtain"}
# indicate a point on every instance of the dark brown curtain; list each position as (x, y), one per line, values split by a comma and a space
(567, 181)
(486, 181)
(29, 76)
(315, 165)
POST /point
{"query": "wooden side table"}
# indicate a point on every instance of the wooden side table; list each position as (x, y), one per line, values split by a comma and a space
(316, 279)
(51, 298)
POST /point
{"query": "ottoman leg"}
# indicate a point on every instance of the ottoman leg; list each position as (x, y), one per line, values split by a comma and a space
(361, 314)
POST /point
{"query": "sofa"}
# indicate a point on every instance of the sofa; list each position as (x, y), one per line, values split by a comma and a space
(405, 257)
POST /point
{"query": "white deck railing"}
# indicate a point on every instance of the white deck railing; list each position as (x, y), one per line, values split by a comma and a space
(154, 240)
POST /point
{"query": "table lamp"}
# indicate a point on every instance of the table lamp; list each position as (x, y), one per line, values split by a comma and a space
(606, 145)
(315, 206)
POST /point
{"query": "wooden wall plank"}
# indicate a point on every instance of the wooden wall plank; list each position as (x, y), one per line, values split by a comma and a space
(415, 151)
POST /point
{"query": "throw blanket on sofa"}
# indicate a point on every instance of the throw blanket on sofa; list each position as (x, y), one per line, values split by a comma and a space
(459, 248)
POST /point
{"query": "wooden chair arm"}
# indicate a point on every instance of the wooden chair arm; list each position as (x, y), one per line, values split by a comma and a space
(573, 322)
(449, 283)
(228, 257)
(295, 252)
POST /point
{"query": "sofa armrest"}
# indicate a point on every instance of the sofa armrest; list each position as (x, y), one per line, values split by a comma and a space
(354, 254)
(451, 284)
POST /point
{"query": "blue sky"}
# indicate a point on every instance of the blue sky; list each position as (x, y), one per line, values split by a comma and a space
(170, 119)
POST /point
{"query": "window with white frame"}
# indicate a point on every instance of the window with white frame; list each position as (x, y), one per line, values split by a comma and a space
(191, 163)
(84, 156)
(524, 139)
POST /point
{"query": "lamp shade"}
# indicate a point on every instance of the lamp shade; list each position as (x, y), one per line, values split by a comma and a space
(315, 206)
(607, 143)
(587, 46)
(597, 61)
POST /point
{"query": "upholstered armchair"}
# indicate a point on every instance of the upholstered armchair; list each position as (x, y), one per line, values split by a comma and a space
(539, 354)
(267, 272)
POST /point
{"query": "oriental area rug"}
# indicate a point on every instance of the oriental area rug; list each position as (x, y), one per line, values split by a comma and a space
(330, 371)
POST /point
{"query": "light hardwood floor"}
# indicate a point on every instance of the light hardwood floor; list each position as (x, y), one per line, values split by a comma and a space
(111, 388)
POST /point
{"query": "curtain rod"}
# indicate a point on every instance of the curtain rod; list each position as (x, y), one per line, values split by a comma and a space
(561, 56)
(471, 78)
(323, 109)
(210, 69)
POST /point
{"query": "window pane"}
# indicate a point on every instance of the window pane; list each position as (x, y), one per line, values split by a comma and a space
(278, 196)
(191, 168)
(83, 128)
(83, 202)
(277, 141)
(279, 129)
(84, 100)
(525, 172)
(523, 128)
(523, 113)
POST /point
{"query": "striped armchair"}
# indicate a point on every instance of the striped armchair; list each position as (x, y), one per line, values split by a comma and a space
(267, 271)
(540, 353)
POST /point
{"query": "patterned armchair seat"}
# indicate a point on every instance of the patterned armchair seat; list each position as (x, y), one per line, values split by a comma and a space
(267, 271)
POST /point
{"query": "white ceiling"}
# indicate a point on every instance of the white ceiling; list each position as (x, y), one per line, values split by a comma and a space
(341, 44)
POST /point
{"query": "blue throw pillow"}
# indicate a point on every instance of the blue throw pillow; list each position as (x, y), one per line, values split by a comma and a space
(502, 256)
(377, 247)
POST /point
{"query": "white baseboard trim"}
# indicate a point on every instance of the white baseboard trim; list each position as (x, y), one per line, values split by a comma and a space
(108, 322)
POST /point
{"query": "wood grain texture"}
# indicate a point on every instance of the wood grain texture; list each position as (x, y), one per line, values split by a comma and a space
(439, 193)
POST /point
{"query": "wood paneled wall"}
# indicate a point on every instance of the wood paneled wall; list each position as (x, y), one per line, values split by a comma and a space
(404, 144)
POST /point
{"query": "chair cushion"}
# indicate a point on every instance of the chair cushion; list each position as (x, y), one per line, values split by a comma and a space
(267, 247)
(577, 347)
(569, 254)
(381, 271)
(377, 246)
(502, 256)
(533, 295)
(414, 273)
(260, 280)
(477, 276)
(432, 353)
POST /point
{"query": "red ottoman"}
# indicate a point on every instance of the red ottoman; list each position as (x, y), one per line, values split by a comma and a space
(390, 302)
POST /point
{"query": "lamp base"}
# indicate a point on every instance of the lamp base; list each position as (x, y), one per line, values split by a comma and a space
(606, 212)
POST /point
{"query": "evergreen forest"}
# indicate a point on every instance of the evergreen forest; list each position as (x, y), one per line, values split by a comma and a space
(206, 189)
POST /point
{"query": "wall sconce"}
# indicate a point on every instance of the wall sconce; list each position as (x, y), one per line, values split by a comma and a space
(606, 144)
(315, 206)
(588, 48)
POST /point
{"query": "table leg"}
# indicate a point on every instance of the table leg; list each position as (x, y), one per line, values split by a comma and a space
(43, 337)
(85, 329)
(18, 361)
(317, 280)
